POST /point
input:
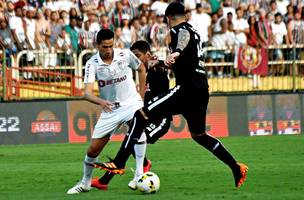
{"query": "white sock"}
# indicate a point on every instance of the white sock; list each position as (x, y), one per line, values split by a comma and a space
(140, 151)
(88, 170)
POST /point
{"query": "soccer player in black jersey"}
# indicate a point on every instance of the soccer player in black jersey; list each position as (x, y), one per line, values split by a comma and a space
(189, 97)
(157, 82)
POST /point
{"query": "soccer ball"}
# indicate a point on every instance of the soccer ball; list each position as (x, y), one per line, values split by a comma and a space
(148, 183)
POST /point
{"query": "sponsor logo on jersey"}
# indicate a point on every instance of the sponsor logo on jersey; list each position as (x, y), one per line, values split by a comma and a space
(102, 83)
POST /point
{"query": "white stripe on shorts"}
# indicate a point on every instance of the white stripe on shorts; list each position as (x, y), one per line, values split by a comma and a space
(164, 98)
(130, 134)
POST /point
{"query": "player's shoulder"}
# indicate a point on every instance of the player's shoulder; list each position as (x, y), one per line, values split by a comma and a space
(185, 26)
(93, 60)
(122, 54)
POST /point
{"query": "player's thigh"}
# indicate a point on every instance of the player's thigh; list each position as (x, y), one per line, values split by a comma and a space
(195, 113)
(157, 128)
(166, 104)
(107, 125)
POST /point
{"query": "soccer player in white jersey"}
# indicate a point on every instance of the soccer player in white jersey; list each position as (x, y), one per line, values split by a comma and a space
(119, 100)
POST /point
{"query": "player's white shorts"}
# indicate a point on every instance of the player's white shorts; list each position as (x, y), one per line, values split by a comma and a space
(109, 123)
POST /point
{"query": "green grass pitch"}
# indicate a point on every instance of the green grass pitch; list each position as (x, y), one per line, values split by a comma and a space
(186, 171)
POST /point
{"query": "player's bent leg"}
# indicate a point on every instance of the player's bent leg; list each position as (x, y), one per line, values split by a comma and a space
(217, 148)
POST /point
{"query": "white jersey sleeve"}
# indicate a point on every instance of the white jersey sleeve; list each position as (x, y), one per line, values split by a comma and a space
(134, 62)
(90, 72)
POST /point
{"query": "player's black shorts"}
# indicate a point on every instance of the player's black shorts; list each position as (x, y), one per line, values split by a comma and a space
(191, 103)
(156, 128)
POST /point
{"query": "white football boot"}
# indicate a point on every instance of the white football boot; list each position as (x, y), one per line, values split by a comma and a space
(79, 188)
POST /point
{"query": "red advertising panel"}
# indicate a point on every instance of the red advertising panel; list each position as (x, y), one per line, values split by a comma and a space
(83, 116)
(260, 115)
(288, 114)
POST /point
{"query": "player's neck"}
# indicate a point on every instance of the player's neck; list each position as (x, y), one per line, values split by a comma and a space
(107, 60)
(177, 22)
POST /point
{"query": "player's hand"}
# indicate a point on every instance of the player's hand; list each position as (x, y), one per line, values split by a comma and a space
(171, 58)
(106, 105)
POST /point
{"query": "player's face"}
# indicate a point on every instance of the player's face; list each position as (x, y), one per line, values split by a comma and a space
(140, 55)
(106, 49)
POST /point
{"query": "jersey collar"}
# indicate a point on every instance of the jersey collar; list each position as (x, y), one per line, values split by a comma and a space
(115, 57)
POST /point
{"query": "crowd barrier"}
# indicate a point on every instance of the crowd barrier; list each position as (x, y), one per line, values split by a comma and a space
(72, 121)
(58, 74)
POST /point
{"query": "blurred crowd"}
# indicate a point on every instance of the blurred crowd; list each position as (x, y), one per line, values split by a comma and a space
(71, 25)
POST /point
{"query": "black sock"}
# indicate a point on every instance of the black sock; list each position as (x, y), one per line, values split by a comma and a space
(106, 178)
(216, 147)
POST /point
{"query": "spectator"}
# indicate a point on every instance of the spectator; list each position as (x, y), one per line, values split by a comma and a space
(55, 27)
(95, 26)
(144, 27)
(7, 41)
(264, 30)
(158, 34)
(282, 6)
(126, 35)
(71, 31)
(88, 5)
(279, 32)
(17, 26)
(241, 28)
(270, 18)
(159, 7)
(252, 35)
(295, 30)
(116, 14)
(214, 22)
(289, 15)
(197, 18)
(105, 23)
(206, 6)
(42, 32)
(227, 7)
(251, 10)
(86, 37)
(118, 43)
(64, 44)
(219, 40)
(10, 10)
(30, 27)
(65, 17)
(50, 4)
(136, 30)
(79, 24)
(273, 7)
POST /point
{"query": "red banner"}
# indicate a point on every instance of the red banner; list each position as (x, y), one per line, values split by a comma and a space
(254, 60)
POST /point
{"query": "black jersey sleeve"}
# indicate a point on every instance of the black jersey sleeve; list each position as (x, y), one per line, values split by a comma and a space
(182, 37)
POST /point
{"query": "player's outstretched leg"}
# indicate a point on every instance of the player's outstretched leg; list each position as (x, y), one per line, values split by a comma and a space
(216, 147)
(240, 174)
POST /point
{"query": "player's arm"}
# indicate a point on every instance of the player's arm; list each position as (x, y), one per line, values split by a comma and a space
(136, 64)
(142, 79)
(183, 39)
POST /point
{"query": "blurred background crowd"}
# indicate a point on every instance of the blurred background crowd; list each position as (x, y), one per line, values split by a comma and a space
(71, 25)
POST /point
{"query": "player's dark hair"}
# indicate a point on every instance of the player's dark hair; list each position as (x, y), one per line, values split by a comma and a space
(104, 34)
(141, 45)
(175, 9)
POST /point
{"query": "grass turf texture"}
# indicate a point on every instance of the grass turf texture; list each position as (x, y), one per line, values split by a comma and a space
(186, 171)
